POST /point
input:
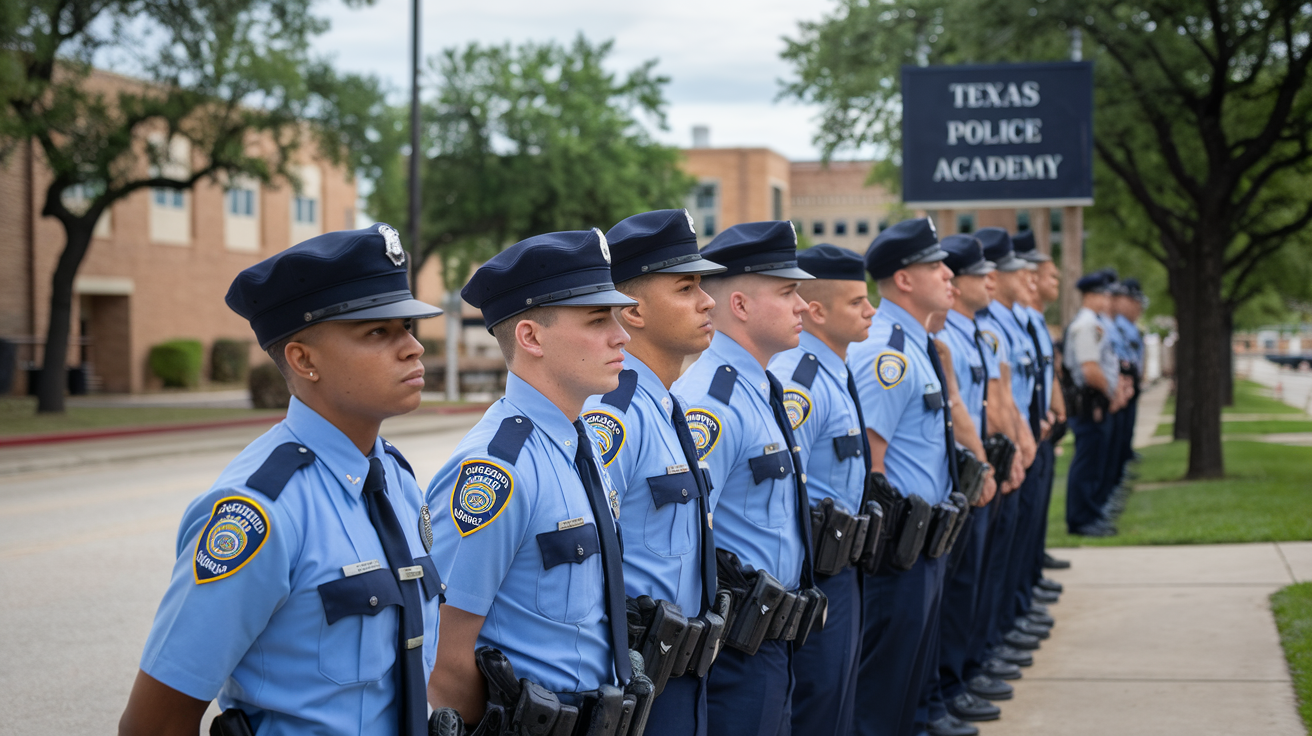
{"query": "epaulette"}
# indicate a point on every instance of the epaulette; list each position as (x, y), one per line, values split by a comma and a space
(722, 384)
(897, 339)
(622, 396)
(400, 459)
(510, 438)
(804, 374)
(279, 468)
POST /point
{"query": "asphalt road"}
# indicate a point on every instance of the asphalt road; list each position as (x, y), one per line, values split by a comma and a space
(85, 555)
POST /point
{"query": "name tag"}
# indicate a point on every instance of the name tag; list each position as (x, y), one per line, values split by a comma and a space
(569, 523)
(676, 469)
(772, 447)
(361, 567)
(853, 432)
(410, 573)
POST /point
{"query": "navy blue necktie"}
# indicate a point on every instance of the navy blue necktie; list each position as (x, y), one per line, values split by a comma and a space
(611, 558)
(861, 419)
(703, 503)
(803, 502)
(983, 415)
(949, 440)
(411, 691)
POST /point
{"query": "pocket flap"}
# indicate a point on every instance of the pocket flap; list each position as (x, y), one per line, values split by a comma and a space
(568, 545)
(360, 595)
(849, 445)
(934, 401)
(676, 488)
(775, 465)
(977, 374)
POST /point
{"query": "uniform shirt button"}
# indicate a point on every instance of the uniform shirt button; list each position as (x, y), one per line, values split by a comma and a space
(685, 493)
(579, 549)
(373, 600)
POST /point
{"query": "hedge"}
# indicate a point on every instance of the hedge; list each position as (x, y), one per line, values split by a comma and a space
(177, 362)
(229, 360)
(268, 387)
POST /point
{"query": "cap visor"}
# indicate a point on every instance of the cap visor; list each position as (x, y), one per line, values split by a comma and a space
(979, 268)
(1035, 256)
(607, 298)
(786, 273)
(701, 266)
(1011, 263)
(934, 256)
(405, 309)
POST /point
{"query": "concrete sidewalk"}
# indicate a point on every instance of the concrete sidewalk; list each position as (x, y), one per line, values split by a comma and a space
(1163, 640)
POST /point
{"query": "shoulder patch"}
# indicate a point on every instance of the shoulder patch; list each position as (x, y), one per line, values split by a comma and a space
(705, 430)
(236, 531)
(481, 492)
(608, 432)
(890, 369)
(722, 384)
(622, 396)
(279, 467)
(510, 438)
(804, 374)
(990, 339)
(400, 459)
(798, 405)
(897, 339)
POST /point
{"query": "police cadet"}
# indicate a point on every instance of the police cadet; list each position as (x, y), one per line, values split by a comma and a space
(1128, 303)
(534, 631)
(669, 552)
(762, 526)
(820, 396)
(900, 383)
(303, 595)
(1092, 384)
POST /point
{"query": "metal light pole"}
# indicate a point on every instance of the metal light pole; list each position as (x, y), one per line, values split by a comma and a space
(414, 145)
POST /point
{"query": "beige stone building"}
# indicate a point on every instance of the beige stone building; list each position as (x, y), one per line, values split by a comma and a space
(160, 261)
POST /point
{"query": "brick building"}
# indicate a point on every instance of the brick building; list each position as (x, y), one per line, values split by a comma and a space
(160, 261)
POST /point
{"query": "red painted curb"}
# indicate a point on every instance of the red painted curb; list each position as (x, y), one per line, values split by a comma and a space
(51, 438)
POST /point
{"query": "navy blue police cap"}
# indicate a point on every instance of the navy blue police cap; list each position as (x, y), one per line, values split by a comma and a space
(966, 255)
(348, 274)
(568, 269)
(1024, 246)
(905, 244)
(768, 248)
(998, 248)
(825, 261)
(1098, 282)
(1133, 288)
(664, 241)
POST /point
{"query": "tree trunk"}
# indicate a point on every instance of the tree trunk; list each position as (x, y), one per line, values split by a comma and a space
(1202, 320)
(1184, 352)
(52, 383)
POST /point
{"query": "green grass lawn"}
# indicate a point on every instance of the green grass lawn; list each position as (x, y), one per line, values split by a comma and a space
(1266, 426)
(1250, 398)
(18, 417)
(1264, 498)
(1292, 607)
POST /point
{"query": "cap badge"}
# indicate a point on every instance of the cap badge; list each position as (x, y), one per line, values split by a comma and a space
(932, 230)
(793, 227)
(393, 239)
(605, 248)
(691, 226)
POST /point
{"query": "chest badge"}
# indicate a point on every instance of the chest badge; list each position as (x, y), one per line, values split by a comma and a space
(426, 528)
(798, 406)
(890, 369)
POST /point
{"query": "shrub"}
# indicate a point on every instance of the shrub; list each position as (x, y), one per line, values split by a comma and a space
(229, 360)
(268, 387)
(177, 362)
(433, 346)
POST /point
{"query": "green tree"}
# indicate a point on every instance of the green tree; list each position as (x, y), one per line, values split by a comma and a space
(531, 139)
(233, 78)
(1201, 122)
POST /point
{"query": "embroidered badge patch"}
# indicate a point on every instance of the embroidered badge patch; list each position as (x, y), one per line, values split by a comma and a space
(234, 534)
(990, 339)
(481, 492)
(608, 432)
(705, 429)
(890, 369)
(798, 406)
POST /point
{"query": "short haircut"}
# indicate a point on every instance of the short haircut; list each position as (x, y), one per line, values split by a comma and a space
(504, 331)
(278, 351)
(818, 290)
(634, 287)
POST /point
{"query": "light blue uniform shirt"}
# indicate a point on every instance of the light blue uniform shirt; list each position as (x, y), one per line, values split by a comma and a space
(1132, 342)
(756, 521)
(1023, 359)
(1114, 335)
(257, 634)
(996, 343)
(974, 366)
(661, 523)
(895, 387)
(498, 524)
(824, 421)
(1044, 366)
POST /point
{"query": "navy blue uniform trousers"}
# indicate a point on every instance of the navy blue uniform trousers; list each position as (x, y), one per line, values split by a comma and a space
(825, 668)
(1047, 454)
(1029, 525)
(1084, 480)
(961, 597)
(901, 623)
(680, 709)
(751, 695)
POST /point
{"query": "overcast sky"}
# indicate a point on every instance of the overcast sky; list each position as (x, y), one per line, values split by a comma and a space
(722, 56)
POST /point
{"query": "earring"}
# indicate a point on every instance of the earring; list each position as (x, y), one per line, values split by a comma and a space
(311, 374)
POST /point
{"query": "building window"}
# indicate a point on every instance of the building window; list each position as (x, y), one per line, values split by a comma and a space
(777, 202)
(708, 226)
(1056, 220)
(862, 227)
(818, 227)
(1022, 220)
(703, 204)
(305, 210)
(705, 196)
(840, 227)
(966, 222)
(168, 197)
(883, 225)
(241, 202)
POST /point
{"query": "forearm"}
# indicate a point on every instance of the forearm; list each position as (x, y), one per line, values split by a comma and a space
(456, 681)
(878, 447)
(158, 710)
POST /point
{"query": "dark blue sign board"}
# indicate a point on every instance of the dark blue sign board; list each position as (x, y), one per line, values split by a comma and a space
(997, 135)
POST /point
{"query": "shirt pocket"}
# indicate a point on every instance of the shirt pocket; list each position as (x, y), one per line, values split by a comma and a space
(570, 581)
(763, 501)
(666, 528)
(355, 643)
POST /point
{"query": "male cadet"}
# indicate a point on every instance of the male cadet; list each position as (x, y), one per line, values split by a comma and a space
(827, 423)
(303, 595)
(762, 526)
(1128, 303)
(1089, 358)
(526, 517)
(669, 553)
(900, 384)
